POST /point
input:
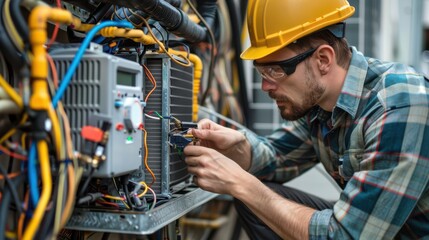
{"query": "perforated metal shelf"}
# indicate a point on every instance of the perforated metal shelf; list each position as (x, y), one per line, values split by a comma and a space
(132, 222)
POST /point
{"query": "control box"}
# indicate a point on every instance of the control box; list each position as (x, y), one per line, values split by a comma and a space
(105, 88)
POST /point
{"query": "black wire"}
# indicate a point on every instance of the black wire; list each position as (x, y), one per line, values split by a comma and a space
(212, 53)
(5, 203)
(127, 196)
(4, 207)
(12, 189)
(103, 9)
(19, 21)
(48, 219)
(175, 43)
(155, 26)
(8, 49)
(86, 183)
(106, 236)
(124, 181)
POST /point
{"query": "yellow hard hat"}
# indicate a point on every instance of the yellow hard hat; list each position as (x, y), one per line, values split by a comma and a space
(273, 24)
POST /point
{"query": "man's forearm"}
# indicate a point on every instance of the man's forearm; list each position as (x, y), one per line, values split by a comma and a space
(241, 153)
(288, 219)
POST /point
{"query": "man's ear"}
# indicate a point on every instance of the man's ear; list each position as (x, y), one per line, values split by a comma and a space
(325, 58)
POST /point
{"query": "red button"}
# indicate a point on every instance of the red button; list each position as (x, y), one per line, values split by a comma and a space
(91, 133)
(119, 126)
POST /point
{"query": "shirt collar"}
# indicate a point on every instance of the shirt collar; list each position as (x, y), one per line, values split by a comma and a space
(352, 90)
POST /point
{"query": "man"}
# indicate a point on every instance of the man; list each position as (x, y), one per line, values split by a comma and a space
(365, 120)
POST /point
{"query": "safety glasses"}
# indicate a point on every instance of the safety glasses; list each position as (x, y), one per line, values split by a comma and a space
(276, 70)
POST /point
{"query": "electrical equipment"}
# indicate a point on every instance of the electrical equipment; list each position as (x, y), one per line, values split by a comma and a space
(73, 144)
(105, 88)
(172, 97)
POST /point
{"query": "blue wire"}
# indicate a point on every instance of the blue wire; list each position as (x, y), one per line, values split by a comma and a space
(75, 63)
(98, 39)
(32, 175)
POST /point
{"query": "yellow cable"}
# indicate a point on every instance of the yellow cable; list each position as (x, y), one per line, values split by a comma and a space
(10, 235)
(11, 92)
(13, 130)
(23, 143)
(56, 132)
(40, 100)
(136, 35)
(35, 221)
(113, 197)
(144, 191)
(60, 199)
(83, 27)
(68, 134)
(70, 197)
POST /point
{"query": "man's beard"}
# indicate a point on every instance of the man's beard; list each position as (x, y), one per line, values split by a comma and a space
(312, 96)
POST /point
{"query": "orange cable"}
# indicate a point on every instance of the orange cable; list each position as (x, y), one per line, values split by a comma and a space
(10, 175)
(152, 80)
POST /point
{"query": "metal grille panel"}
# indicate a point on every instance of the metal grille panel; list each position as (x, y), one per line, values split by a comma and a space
(173, 96)
(82, 97)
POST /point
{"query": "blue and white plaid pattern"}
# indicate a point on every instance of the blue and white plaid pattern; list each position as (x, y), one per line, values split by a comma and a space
(375, 144)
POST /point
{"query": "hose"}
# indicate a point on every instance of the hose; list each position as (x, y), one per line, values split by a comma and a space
(170, 17)
(7, 47)
(19, 21)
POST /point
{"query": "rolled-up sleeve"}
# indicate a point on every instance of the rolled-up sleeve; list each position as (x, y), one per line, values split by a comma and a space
(283, 155)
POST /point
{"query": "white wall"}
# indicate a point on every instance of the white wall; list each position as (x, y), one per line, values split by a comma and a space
(401, 31)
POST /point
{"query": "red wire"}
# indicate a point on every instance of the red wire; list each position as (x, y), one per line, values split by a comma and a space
(108, 203)
(12, 154)
(55, 32)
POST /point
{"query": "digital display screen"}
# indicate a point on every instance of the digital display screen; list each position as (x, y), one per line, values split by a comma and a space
(125, 78)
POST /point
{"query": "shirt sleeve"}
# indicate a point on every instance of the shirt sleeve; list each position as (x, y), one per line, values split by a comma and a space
(283, 155)
(388, 184)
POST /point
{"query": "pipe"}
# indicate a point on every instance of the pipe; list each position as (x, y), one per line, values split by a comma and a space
(173, 19)
(102, 10)
(208, 10)
(7, 48)
(134, 34)
(19, 20)
(175, 3)
(135, 17)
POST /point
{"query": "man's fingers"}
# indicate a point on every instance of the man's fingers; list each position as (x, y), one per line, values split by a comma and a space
(206, 134)
(191, 161)
(206, 124)
(194, 150)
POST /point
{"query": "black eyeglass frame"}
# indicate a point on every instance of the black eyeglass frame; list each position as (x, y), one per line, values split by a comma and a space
(288, 65)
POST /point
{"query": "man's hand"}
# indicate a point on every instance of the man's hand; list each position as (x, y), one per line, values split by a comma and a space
(217, 173)
(213, 171)
(227, 141)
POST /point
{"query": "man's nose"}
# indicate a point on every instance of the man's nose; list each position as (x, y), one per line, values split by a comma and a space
(268, 85)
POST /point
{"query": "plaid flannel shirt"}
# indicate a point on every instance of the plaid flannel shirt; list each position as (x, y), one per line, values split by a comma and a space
(375, 144)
